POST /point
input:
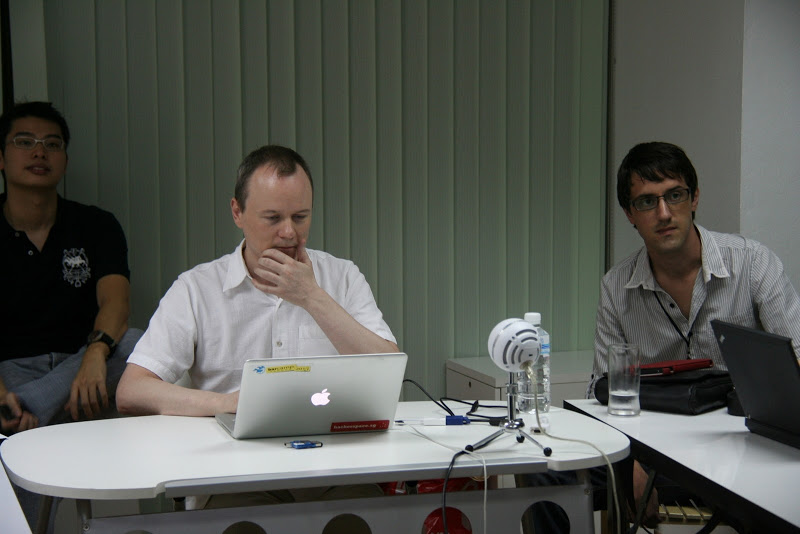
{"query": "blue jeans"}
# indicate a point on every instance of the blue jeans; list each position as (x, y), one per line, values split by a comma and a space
(43, 382)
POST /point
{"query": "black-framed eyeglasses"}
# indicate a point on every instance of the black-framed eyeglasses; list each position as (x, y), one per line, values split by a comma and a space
(650, 202)
(26, 142)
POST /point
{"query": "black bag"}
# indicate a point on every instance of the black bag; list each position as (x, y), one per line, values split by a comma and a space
(690, 393)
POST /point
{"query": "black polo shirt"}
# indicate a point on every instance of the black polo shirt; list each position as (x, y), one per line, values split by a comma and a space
(49, 298)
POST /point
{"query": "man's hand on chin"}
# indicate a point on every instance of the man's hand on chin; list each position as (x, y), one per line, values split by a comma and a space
(290, 279)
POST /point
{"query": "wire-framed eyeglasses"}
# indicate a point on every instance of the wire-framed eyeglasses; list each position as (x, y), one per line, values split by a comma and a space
(27, 142)
(650, 202)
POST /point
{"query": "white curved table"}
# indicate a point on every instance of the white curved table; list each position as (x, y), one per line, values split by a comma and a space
(142, 457)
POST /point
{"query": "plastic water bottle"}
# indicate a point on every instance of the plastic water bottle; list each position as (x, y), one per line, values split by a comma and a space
(541, 371)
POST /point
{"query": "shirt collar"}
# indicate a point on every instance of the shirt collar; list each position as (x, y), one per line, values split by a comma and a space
(237, 270)
(642, 273)
(6, 227)
(711, 259)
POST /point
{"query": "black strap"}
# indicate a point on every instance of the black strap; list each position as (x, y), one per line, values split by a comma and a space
(641, 506)
(711, 525)
(686, 339)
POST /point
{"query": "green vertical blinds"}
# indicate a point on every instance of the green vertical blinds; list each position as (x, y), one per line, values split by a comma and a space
(457, 147)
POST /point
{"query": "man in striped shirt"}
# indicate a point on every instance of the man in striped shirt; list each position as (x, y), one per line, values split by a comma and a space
(663, 297)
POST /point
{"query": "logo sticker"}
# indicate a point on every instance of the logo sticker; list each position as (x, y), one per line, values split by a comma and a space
(75, 267)
(283, 369)
(359, 426)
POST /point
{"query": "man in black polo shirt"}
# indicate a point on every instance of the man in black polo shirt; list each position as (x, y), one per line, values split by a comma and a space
(64, 337)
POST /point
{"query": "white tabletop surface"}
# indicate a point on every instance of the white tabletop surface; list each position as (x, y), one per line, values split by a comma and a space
(13, 520)
(140, 457)
(720, 448)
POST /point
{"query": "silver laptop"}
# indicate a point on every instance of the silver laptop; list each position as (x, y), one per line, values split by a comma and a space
(293, 397)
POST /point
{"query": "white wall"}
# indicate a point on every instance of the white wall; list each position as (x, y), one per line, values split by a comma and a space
(721, 78)
(770, 184)
(678, 78)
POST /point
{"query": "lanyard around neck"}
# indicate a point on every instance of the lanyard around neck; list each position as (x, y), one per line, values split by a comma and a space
(686, 339)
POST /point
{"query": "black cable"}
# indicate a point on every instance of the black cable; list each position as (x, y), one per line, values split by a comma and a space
(475, 404)
(641, 506)
(494, 420)
(711, 525)
(444, 490)
(437, 403)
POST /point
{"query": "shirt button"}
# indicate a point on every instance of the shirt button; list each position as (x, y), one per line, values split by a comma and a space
(279, 343)
(30, 253)
(671, 305)
(16, 234)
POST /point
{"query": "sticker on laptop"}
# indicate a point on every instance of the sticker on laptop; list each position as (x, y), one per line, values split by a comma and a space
(262, 369)
(359, 426)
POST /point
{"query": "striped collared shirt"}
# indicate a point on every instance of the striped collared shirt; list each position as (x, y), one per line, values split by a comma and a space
(741, 281)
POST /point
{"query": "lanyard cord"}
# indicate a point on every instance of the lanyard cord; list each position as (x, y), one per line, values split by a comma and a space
(686, 339)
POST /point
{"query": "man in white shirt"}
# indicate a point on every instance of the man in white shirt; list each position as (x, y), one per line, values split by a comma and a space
(270, 298)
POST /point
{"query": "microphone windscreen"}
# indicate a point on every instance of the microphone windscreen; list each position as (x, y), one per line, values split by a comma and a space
(512, 343)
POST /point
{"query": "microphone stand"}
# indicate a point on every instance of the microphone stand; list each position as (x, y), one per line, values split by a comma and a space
(512, 424)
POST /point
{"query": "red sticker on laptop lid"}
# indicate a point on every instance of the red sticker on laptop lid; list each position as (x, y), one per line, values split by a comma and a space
(359, 426)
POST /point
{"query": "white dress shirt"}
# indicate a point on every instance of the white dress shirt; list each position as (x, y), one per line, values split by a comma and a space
(213, 318)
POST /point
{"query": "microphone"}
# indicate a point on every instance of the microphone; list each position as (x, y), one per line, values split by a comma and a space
(514, 345)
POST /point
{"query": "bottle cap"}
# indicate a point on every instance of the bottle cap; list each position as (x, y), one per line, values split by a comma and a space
(535, 318)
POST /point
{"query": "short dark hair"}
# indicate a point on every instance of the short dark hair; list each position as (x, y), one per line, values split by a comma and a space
(283, 160)
(40, 110)
(654, 162)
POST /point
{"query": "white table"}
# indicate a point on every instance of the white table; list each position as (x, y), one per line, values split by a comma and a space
(480, 377)
(142, 457)
(753, 480)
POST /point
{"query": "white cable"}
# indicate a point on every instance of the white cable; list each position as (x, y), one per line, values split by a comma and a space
(529, 371)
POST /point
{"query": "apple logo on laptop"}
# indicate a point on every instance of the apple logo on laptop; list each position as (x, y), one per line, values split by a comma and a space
(321, 398)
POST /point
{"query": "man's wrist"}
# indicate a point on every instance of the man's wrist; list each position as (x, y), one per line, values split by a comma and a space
(99, 338)
(98, 351)
(316, 299)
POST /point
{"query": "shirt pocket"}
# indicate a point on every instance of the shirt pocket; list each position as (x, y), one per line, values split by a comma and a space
(313, 342)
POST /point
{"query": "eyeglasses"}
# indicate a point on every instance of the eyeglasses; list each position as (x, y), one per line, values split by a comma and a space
(650, 202)
(26, 142)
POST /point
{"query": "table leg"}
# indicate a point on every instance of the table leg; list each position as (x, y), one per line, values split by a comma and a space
(84, 513)
(43, 518)
(585, 480)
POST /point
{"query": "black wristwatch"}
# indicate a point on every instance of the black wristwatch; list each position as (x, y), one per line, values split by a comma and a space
(102, 337)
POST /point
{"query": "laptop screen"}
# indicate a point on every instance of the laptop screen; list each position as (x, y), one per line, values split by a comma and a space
(766, 375)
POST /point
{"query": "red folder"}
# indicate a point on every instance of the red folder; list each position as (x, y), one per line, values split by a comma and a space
(670, 367)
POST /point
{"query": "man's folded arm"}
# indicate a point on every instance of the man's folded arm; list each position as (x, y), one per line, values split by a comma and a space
(142, 392)
(345, 333)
